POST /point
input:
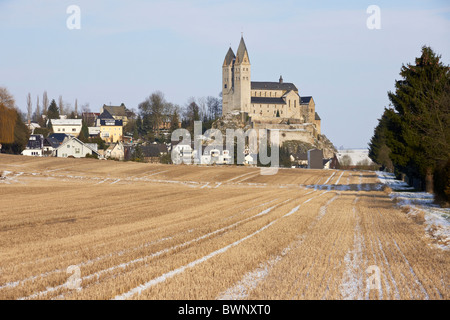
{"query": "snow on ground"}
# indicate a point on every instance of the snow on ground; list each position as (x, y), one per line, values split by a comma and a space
(436, 219)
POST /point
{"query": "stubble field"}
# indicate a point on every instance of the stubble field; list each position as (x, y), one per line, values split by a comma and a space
(90, 229)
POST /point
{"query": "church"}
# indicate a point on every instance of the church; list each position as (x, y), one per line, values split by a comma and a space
(262, 101)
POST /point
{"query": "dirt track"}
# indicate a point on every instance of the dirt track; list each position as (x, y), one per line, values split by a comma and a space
(141, 231)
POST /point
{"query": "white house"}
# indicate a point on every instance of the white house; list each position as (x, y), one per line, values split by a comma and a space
(94, 131)
(75, 148)
(215, 156)
(183, 153)
(35, 146)
(116, 151)
(33, 125)
(67, 126)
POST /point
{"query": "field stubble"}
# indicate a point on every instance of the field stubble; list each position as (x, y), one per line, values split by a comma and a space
(139, 231)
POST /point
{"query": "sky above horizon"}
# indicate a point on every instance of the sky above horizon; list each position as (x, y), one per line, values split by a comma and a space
(126, 50)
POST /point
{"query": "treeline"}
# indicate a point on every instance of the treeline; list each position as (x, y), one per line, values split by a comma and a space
(412, 138)
(156, 117)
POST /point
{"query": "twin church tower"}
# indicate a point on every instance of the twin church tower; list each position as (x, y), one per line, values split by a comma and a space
(262, 101)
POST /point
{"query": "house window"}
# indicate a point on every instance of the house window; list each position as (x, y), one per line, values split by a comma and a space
(68, 146)
(77, 150)
(73, 129)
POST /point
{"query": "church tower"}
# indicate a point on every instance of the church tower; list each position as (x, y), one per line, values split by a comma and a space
(236, 81)
(228, 81)
(242, 91)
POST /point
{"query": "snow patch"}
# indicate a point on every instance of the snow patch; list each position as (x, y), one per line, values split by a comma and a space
(436, 219)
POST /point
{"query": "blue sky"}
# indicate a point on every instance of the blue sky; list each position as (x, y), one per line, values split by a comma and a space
(125, 50)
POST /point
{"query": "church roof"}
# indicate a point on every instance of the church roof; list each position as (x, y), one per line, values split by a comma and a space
(229, 57)
(305, 100)
(317, 116)
(242, 49)
(257, 85)
(265, 100)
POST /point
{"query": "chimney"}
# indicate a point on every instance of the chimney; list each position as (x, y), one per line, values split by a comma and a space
(281, 79)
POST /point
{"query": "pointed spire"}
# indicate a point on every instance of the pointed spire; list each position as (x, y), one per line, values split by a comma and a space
(242, 51)
(229, 57)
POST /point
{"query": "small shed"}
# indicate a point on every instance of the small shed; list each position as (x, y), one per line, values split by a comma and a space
(315, 159)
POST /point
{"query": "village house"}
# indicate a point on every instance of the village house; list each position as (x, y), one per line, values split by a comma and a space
(52, 142)
(67, 126)
(35, 146)
(153, 152)
(73, 147)
(117, 112)
(111, 130)
(115, 151)
(105, 115)
(214, 155)
(186, 153)
(32, 126)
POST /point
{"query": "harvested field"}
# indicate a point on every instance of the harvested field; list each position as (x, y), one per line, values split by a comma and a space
(90, 229)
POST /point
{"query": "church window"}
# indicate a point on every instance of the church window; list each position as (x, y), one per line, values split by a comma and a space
(225, 85)
(295, 103)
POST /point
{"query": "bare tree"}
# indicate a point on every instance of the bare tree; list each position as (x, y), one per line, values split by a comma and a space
(346, 161)
(153, 110)
(29, 107)
(38, 109)
(85, 108)
(201, 102)
(61, 105)
(44, 103)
